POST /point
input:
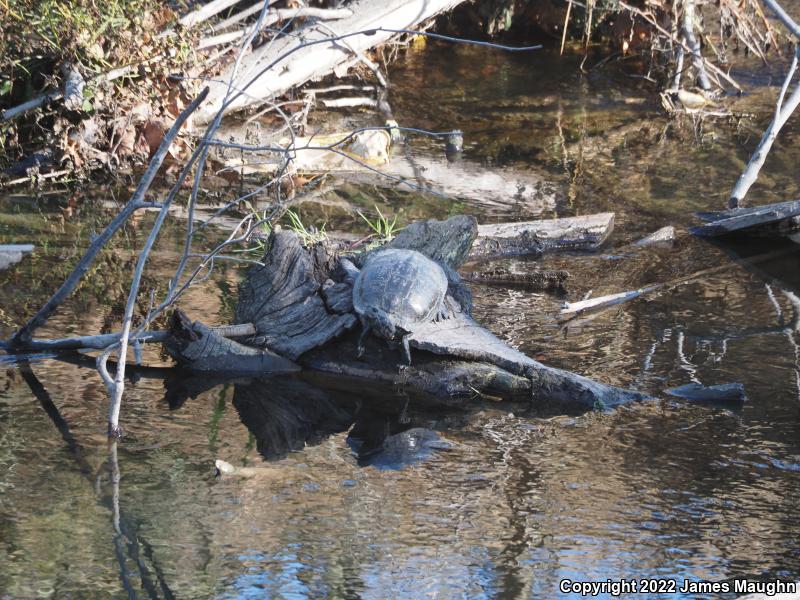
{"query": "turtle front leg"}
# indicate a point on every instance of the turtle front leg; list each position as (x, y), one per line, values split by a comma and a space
(406, 348)
(363, 338)
(442, 314)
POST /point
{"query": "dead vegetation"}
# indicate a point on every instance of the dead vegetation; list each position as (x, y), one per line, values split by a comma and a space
(92, 87)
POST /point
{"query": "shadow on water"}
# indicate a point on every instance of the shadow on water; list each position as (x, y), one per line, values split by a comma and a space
(386, 428)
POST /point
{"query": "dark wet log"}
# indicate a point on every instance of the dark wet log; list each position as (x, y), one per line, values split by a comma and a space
(726, 392)
(293, 302)
(782, 218)
(449, 378)
(536, 237)
(284, 298)
(427, 375)
(463, 337)
(535, 280)
(198, 347)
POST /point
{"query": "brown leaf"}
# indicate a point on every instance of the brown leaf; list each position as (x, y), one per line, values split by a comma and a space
(153, 132)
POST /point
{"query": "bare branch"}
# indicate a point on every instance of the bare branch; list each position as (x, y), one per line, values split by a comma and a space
(136, 202)
(782, 113)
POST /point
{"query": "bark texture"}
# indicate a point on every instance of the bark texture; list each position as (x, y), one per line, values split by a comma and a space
(299, 305)
(536, 237)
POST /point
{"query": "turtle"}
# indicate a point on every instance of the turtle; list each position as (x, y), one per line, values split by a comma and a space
(396, 290)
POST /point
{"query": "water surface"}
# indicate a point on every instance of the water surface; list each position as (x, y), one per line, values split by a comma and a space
(355, 492)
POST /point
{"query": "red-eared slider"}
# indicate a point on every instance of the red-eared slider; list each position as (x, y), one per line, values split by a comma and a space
(396, 290)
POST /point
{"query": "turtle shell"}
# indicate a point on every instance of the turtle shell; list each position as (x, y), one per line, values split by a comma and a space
(405, 284)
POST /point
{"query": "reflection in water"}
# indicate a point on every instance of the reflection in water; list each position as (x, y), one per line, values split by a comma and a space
(286, 414)
(289, 414)
(125, 538)
(360, 497)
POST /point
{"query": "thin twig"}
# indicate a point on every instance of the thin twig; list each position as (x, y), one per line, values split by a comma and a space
(119, 379)
(136, 202)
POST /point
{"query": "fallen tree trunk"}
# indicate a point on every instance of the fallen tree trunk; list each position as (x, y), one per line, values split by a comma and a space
(536, 237)
(494, 191)
(317, 57)
(537, 280)
(365, 157)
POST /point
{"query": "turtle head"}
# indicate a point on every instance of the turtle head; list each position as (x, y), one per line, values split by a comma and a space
(379, 322)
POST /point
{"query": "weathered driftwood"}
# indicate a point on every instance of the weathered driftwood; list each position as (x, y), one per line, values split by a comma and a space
(349, 102)
(366, 157)
(771, 219)
(687, 29)
(298, 301)
(318, 57)
(665, 235)
(535, 237)
(273, 17)
(494, 191)
(202, 349)
(11, 254)
(241, 15)
(572, 309)
(104, 340)
(285, 301)
(725, 392)
(205, 12)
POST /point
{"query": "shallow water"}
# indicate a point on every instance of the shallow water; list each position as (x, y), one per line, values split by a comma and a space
(356, 492)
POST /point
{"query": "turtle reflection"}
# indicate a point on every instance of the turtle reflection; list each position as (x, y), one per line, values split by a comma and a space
(284, 415)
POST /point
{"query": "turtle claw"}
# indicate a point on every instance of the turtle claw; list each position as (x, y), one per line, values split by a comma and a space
(361, 339)
(406, 350)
